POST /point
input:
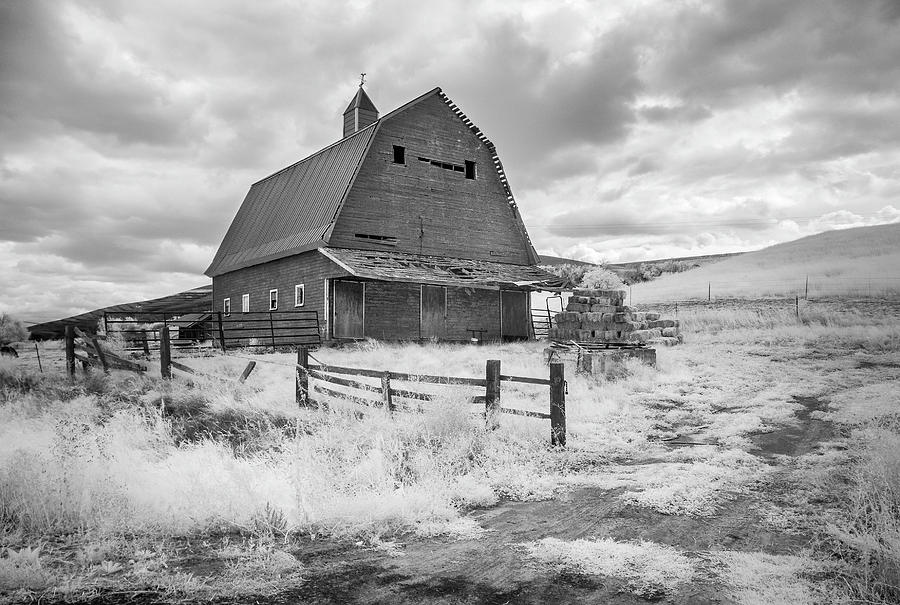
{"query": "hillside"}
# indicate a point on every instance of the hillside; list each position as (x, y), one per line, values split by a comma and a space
(863, 261)
(559, 260)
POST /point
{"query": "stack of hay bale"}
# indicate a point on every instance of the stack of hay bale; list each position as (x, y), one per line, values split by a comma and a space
(601, 316)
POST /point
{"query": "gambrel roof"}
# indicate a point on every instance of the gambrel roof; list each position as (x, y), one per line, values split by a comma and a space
(295, 209)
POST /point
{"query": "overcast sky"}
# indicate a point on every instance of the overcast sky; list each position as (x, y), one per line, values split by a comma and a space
(131, 131)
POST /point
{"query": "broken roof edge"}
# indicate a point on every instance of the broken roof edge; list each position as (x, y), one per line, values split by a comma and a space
(528, 277)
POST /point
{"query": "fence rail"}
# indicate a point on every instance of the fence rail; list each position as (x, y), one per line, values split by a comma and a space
(266, 329)
(491, 384)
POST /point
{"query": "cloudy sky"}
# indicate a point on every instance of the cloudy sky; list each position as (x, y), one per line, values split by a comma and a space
(131, 131)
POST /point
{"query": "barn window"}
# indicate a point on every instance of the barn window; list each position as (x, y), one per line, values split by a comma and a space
(245, 303)
(273, 300)
(299, 295)
(470, 170)
(399, 154)
(226, 306)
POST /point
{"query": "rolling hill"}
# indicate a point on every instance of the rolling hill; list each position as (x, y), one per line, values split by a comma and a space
(864, 261)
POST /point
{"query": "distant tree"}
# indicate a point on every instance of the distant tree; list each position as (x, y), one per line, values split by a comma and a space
(11, 329)
(601, 278)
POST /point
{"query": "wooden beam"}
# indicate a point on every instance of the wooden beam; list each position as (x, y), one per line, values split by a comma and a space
(492, 394)
(246, 372)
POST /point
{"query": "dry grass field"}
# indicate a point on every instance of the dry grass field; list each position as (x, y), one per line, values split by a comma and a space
(863, 262)
(759, 463)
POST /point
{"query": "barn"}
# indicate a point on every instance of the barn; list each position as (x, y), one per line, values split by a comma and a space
(404, 229)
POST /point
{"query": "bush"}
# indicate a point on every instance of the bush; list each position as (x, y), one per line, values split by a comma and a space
(601, 278)
(11, 329)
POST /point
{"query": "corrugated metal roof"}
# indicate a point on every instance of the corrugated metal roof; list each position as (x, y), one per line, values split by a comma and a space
(443, 270)
(292, 210)
(191, 301)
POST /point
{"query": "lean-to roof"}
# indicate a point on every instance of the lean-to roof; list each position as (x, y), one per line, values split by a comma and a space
(441, 270)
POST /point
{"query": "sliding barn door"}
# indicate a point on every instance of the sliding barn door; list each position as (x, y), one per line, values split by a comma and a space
(434, 312)
(349, 305)
(514, 315)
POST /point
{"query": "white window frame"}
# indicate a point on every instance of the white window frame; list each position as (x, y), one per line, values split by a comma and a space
(245, 303)
(301, 290)
(226, 306)
(275, 300)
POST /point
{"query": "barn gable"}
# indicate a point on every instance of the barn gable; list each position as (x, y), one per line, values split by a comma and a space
(356, 194)
(432, 184)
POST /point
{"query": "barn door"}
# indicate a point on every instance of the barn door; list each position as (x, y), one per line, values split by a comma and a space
(433, 322)
(513, 315)
(349, 302)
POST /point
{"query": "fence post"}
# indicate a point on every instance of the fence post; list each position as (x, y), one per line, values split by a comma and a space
(247, 370)
(302, 385)
(709, 292)
(797, 305)
(70, 352)
(221, 331)
(38, 353)
(492, 394)
(272, 331)
(165, 353)
(806, 292)
(585, 362)
(386, 392)
(144, 342)
(558, 404)
(100, 355)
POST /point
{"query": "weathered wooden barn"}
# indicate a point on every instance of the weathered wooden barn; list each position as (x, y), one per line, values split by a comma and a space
(404, 229)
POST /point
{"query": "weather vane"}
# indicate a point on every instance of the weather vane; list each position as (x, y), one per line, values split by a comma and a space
(362, 79)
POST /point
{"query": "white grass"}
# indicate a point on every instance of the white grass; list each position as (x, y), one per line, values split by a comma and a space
(763, 579)
(649, 570)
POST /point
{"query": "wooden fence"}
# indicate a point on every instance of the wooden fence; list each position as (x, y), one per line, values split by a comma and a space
(386, 395)
(91, 354)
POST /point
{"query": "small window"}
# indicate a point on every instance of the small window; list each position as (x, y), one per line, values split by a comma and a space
(273, 300)
(245, 303)
(299, 295)
(470, 170)
(399, 154)
(226, 306)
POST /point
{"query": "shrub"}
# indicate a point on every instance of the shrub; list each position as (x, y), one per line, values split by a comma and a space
(11, 329)
(601, 278)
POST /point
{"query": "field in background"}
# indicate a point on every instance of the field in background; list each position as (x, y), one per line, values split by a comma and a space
(860, 262)
(201, 488)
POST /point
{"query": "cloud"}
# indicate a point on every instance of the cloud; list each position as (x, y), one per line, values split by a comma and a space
(130, 132)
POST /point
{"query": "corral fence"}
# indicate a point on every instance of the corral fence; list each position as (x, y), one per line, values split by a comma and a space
(264, 329)
(315, 383)
(85, 348)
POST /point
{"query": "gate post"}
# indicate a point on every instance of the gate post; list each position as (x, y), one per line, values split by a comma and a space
(492, 394)
(302, 383)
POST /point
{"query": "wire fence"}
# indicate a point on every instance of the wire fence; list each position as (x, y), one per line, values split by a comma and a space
(806, 287)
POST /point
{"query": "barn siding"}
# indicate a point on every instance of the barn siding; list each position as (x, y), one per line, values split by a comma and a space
(472, 308)
(392, 310)
(428, 209)
(309, 268)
